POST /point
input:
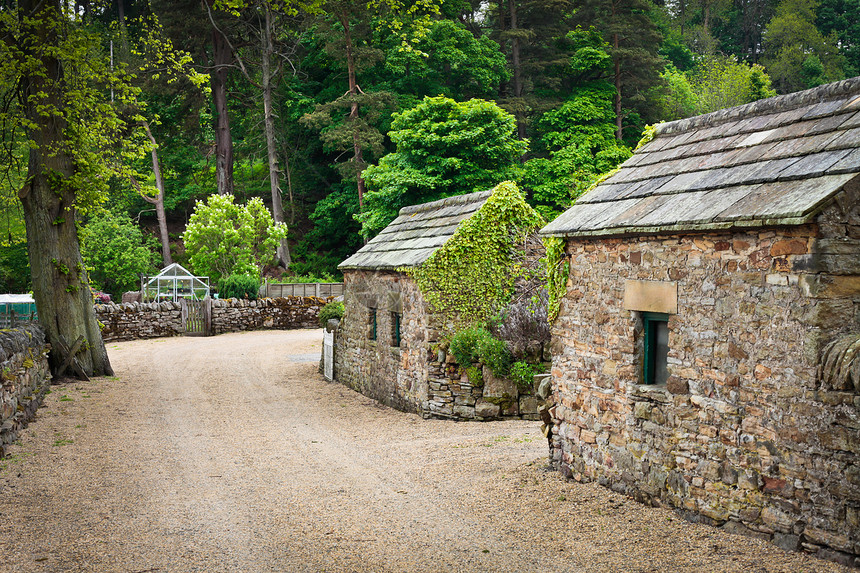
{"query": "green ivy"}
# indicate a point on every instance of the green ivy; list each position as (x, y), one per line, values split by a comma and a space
(557, 270)
(473, 274)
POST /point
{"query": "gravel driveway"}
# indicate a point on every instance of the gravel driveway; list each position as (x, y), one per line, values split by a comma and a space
(231, 453)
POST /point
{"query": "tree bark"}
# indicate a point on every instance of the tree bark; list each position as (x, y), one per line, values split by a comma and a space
(357, 157)
(518, 71)
(60, 286)
(271, 146)
(158, 200)
(222, 57)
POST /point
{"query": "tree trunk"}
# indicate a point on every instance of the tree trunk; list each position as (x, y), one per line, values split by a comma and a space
(271, 146)
(617, 71)
(158, 200)
(60, 287)
(353, 112)
(222, 57)
(518, 72)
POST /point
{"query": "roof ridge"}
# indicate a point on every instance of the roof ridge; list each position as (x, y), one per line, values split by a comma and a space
(774, 104)
(446, 202)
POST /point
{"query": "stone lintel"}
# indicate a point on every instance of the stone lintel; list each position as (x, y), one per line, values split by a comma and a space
(651, 296)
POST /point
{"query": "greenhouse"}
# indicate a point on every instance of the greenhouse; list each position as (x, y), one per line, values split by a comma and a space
(175, 282)
(15, 309)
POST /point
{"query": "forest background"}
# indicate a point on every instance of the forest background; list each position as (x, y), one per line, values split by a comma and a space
(334, 114)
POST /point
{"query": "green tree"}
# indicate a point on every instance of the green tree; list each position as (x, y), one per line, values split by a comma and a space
(719, 82)
(223, 238)
(843, 18)
(444, 148)
(115, 252)
(796, 55)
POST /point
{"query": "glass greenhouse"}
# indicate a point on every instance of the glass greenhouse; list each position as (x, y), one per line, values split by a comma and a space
(173, 283)
(15, 309)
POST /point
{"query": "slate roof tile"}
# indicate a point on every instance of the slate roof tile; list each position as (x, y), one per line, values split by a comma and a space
(775, 161)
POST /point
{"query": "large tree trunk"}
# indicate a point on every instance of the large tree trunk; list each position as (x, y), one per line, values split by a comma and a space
(222, 57)
(271, 146)
(60, 287)
(353, 112)
(158, 200)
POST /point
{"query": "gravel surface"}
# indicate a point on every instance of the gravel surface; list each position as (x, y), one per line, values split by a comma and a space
(231, 453)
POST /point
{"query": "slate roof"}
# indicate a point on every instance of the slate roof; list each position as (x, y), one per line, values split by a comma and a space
(772, 162)
(416, 233)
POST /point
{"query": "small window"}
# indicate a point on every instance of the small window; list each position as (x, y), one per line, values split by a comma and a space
(371, 323)
(656, 328)
(396, 317)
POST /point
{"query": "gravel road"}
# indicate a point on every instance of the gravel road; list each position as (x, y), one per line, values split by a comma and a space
(232, 454)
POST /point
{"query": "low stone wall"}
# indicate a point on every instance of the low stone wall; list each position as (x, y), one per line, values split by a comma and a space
(134, 320)
(452, 395)
(24, 379)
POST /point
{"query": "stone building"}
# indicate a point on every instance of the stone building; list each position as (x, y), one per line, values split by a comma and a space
(703, 356)
(387, 345)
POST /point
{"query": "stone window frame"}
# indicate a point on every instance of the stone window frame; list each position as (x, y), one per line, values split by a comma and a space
(650, 351)
(372, 323)
(396, 329)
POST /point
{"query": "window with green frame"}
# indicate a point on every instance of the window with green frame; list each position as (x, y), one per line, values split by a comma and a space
(656, 347)
(371, 322)
(396, 317)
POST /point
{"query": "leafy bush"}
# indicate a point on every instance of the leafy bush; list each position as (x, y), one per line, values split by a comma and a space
(477, 344)
(464, 344)
(239, 286)
(334, 309)
(523, 374)
(475, 377)
(494, 353)
(306, 279)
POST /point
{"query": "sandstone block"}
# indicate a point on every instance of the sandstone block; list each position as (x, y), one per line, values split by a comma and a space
(498, 387)
(486, 409)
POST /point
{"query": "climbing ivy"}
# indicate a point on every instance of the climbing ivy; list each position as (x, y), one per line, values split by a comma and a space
(473, 274)
(557, 270)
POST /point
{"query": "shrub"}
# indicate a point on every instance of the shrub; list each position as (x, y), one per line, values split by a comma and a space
(239, 286)
(475, 377)
(494, 353)
(523, 374)
(464, 344)
(334, 309)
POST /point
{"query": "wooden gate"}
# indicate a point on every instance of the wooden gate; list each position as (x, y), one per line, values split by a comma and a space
(197, 316)
(328, 355)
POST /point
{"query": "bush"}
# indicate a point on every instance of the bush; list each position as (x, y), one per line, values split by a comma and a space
(477, 344)
(239, 286)
(464, 344)
(523, 374)
(334, 309)
(494, 353)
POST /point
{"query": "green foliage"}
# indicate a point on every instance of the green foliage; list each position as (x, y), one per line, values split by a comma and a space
(14, 266)
(306, 279)
(475, 376)
(721, 82)
(797, 55)
(472, 276)
(239, 286)
(465, 344)
(333, 309)
(494, 353)
(557, 272)
(115, 252)
(444, 148)
(523, 374)
(224, 239)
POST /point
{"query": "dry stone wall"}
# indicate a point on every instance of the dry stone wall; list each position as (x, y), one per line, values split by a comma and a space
(26, 378)
(744, 434)
(135, 320)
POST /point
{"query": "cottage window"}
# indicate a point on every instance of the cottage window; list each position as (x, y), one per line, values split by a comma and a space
(396, 317)
(371, 323)
(656, 351)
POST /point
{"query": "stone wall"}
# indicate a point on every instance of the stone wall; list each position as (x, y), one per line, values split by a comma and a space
(396, 376)
(745, 434)
(24, 379)
(131, 321)
(417, 376)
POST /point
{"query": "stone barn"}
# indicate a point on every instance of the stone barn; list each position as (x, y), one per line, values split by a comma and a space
(388, 343)
(704, 352)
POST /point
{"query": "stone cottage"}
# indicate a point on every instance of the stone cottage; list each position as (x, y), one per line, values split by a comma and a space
(704, 349)
(387, 345)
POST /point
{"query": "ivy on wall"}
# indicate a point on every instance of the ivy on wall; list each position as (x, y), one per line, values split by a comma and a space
(557, 271)
(473, 274)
